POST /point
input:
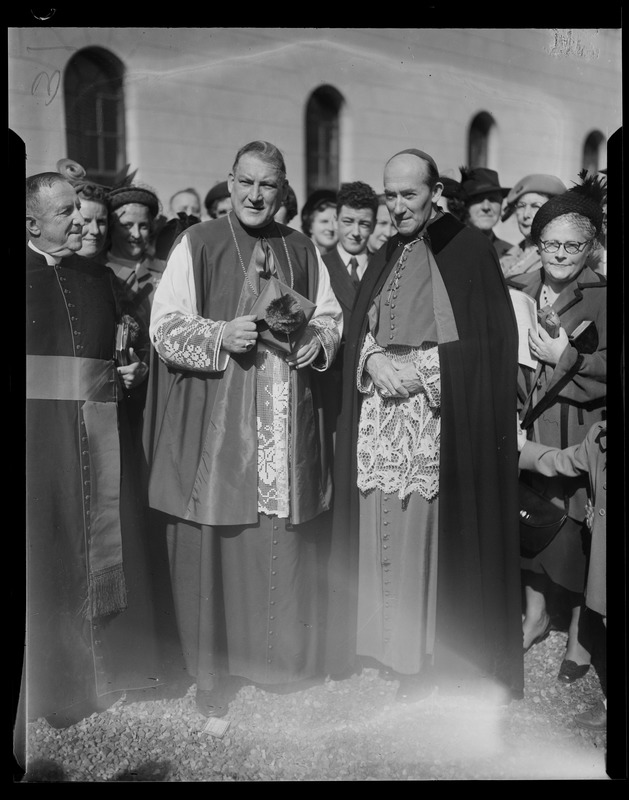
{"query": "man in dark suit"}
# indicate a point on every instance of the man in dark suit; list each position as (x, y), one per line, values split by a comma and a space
(356, 209)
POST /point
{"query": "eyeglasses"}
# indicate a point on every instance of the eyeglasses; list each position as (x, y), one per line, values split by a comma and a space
(572, 248)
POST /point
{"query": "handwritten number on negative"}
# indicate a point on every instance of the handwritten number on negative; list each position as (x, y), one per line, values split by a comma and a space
(53, 80)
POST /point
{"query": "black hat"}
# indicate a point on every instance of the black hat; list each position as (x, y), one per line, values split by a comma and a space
(315, 199)
(122, 195)
(217, 192)
(125, 191)
(318, 196)
(451, 188)
(480, 180)
(586, 199)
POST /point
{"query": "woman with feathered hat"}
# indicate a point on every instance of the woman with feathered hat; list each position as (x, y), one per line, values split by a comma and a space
(564, 395)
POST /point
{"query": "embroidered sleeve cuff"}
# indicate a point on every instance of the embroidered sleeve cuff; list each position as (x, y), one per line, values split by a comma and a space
(190, 342)
(364, 380)
(429, 374)
(327, 332)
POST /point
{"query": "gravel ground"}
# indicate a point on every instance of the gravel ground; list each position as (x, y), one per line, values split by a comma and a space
(351, 730)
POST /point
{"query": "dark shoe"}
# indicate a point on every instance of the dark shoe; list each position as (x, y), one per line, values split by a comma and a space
(414, 688)
(211, 703)
(594, 719)
(570, 671)
(543, 635)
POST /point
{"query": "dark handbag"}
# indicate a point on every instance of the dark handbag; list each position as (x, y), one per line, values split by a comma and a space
(281, 315)
(540, 520)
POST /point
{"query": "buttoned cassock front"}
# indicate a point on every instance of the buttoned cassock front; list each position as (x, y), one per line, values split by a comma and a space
(70, 659)
(478, 623)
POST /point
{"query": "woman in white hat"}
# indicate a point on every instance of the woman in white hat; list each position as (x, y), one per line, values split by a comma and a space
(525, 199)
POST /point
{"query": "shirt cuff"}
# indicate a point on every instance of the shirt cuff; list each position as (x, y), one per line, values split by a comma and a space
(364, 381)
(326, 331)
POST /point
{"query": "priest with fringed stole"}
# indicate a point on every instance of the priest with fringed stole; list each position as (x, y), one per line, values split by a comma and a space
(233, 440)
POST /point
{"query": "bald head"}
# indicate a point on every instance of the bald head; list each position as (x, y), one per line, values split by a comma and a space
(411, 186)
(420, 154)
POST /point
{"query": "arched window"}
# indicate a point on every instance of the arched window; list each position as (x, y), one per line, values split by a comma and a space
(479, 140)
(322, 139)
(592, 152)
(95, 112)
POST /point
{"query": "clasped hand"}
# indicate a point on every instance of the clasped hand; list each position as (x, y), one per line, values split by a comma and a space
(134, 373)
(545, 348)
(306, 350)
(390, 379)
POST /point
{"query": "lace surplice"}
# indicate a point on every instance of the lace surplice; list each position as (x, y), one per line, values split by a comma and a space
(399, 439)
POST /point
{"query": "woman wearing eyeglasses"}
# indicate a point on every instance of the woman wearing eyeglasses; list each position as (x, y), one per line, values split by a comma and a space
(525, 200)
(564, 396)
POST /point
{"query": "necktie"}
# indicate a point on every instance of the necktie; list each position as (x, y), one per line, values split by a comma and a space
(353, 264)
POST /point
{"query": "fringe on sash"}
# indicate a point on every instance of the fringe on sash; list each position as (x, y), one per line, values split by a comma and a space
(107, 593)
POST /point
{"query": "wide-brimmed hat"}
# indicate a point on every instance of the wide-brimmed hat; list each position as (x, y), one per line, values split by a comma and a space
(480, 180)
(539, 184)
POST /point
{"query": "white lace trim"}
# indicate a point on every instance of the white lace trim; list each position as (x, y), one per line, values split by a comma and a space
(272, 399)
(399, 439)
(327, 331)
(188, 341)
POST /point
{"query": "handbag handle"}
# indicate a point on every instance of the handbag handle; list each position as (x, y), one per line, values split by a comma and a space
(531, 414)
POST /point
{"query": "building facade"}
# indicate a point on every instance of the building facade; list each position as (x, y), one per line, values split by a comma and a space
(176, 103)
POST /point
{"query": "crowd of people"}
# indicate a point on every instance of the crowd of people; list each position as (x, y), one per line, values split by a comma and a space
(269, 455)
